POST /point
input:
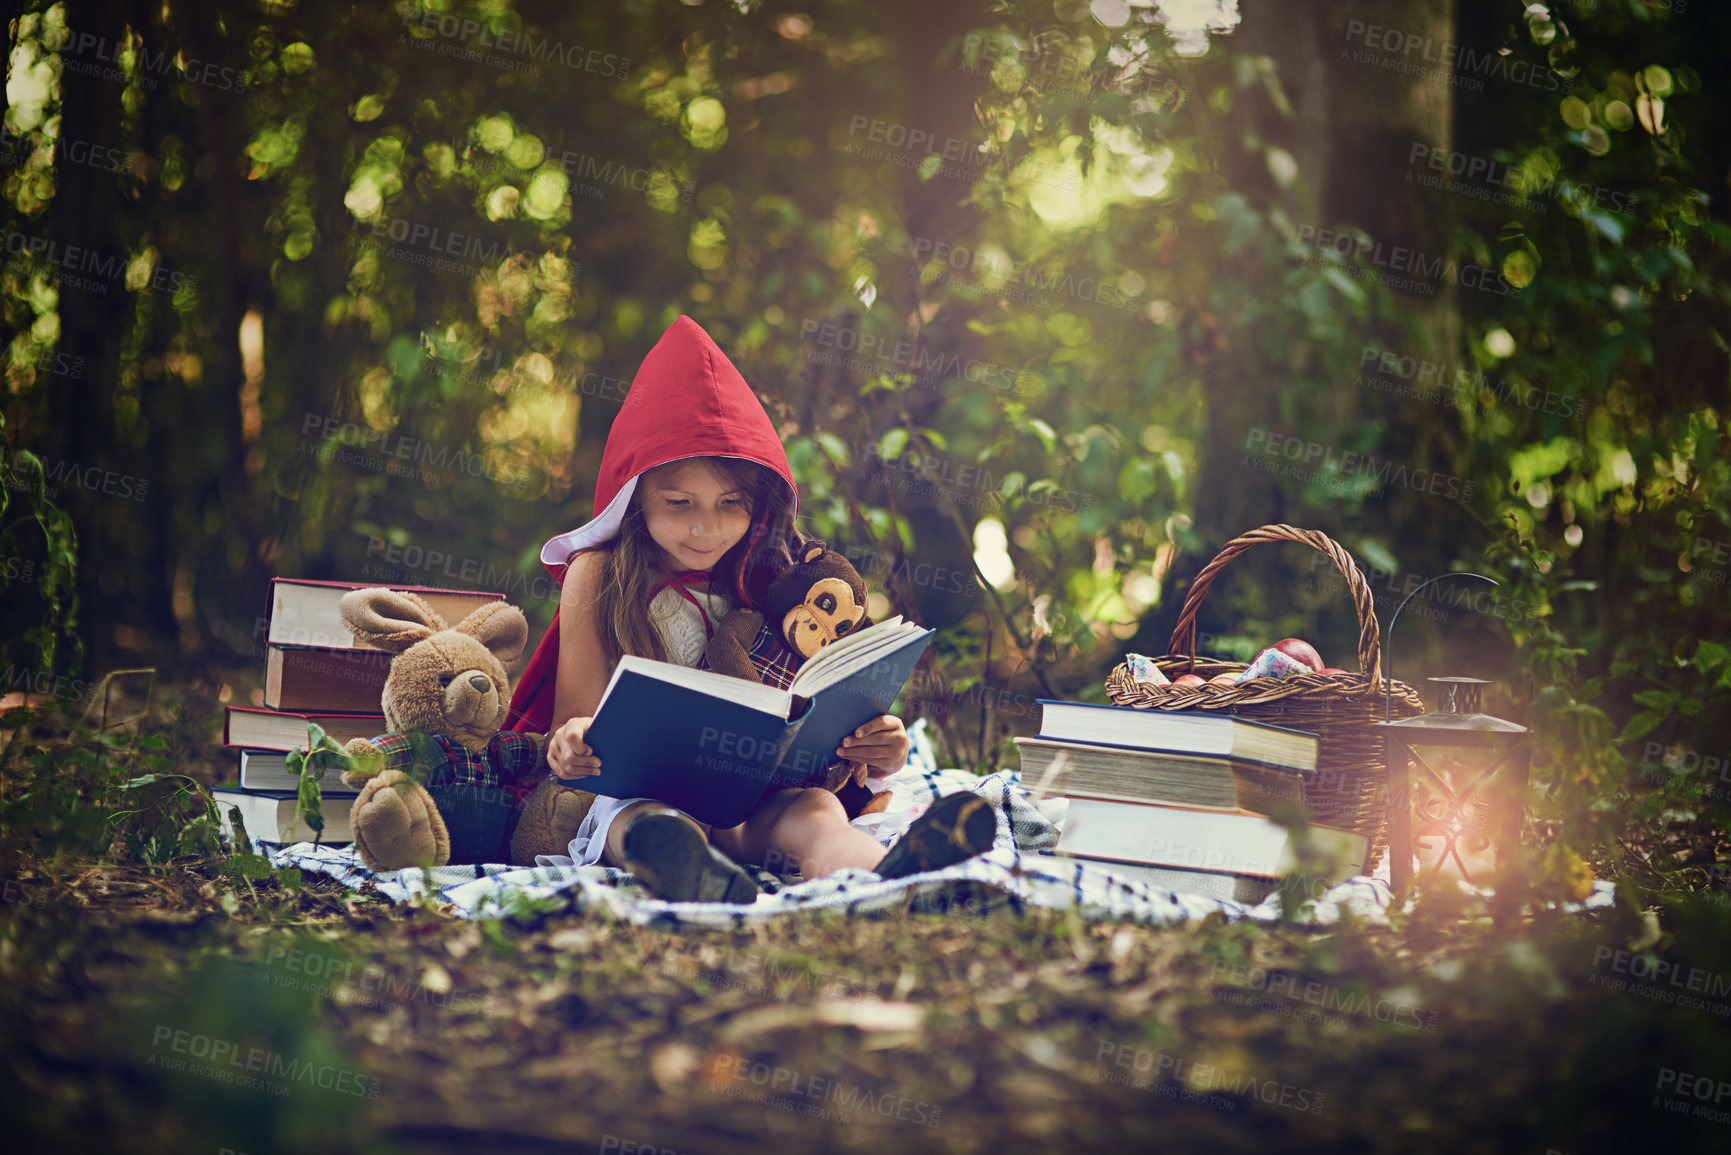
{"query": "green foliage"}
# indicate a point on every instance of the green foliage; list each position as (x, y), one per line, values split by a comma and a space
(39, 637)
(237, 1051)
(309, 764)
(1016, 371)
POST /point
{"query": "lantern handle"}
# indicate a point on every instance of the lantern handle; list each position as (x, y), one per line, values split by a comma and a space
(1388, 643)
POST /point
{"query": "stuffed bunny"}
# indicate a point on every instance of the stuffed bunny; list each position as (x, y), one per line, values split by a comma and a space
(449, 684)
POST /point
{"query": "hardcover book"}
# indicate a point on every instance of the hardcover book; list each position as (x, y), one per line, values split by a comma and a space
(1127, 775)
(304, 612)
(1239, 888)
(1179, 732)
(271, 817)
(316, 681)
(268, 770)
(257, 729)
(714, 746)
(1211, 840)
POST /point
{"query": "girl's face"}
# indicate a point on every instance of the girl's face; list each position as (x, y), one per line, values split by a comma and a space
(695, 514)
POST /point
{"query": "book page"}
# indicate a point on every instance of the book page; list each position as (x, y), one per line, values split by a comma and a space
(829, 668)
(837, 652)
(752, 695)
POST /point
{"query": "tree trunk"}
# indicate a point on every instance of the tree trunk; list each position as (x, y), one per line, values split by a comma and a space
(1351, 130)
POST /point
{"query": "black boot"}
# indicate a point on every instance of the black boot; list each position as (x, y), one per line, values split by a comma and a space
(677, 865)
(957, 827)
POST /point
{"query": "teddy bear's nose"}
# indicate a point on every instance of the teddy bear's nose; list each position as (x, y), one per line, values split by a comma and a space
(479, 681)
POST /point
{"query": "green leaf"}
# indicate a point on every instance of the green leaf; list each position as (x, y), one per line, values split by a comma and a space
(1378, 556)
(1344, 285)
(891, 446)
(237, 824)
(1709, 655)
(1136, 481)
(248, 866)
(1609, 226)
(836, 447)
(1639, 727)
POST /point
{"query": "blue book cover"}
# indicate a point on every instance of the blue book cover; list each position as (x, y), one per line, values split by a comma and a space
(714, 746)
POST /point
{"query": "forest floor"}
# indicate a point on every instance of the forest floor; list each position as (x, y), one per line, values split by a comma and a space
(174, 1008)
(187, 1007)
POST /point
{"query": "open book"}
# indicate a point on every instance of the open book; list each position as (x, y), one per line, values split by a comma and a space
(714, 746)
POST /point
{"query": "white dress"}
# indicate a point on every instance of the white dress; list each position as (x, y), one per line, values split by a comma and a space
(680, 625)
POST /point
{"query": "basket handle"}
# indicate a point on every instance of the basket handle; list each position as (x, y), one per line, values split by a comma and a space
(1369, 648)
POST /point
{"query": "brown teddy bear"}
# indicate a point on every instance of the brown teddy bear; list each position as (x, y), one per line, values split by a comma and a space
(449, 684)
(818, 600)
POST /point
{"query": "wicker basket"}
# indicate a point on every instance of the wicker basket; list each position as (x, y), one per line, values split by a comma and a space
(1350, 789)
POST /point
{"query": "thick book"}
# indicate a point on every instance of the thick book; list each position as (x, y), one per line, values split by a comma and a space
(1127, 775)
(1207, 883)
(714, 746)
(318, 681)
(268, 770)
(257, 729)
(1212, 840)
(1179, 732)
(270, 817)
(304, 612)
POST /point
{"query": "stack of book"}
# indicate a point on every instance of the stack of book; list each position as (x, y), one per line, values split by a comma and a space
(316, 671)
(1180, 800)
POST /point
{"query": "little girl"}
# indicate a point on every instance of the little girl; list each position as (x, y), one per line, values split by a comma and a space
(695, 506)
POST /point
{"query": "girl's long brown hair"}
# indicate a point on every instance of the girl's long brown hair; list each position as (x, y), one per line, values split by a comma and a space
(634, 564)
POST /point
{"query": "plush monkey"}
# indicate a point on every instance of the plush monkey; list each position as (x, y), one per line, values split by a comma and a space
(817, 601)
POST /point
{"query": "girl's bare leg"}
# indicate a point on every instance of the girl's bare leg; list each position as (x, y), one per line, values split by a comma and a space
(803, 829)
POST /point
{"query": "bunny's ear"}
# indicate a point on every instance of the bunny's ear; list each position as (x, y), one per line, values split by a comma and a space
(388, 619)
(501, 628)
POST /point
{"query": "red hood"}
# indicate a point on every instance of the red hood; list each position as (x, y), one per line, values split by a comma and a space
(687, 400)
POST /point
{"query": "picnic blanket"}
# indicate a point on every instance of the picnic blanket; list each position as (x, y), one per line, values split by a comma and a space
(1018, 872)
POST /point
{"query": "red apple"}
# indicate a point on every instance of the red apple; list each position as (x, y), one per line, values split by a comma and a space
(1189, 680)
(1333, 670)
(1224, 679)
(1300, 650)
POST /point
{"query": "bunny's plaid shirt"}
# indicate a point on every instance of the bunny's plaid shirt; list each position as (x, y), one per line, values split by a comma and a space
(509, 760)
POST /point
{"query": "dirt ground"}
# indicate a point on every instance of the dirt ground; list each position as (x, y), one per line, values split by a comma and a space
(167, 1009)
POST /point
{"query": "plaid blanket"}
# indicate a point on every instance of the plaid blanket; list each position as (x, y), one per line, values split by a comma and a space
(1018, 872)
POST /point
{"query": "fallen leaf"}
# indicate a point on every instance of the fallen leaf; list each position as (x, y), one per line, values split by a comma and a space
(762, 1019)
(674, 1065)
(871, 1016)
(572, 938)
(436, 979)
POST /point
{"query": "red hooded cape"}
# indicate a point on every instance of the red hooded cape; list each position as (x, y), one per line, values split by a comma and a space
(687, 400)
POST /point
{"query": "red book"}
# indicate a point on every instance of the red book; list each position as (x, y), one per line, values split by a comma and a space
(320, 681)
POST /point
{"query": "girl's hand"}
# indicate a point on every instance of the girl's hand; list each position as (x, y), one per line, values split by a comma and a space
(567, 753)
(881, 744)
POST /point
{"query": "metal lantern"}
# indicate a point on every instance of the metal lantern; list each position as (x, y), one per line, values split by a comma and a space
(1457, 784)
